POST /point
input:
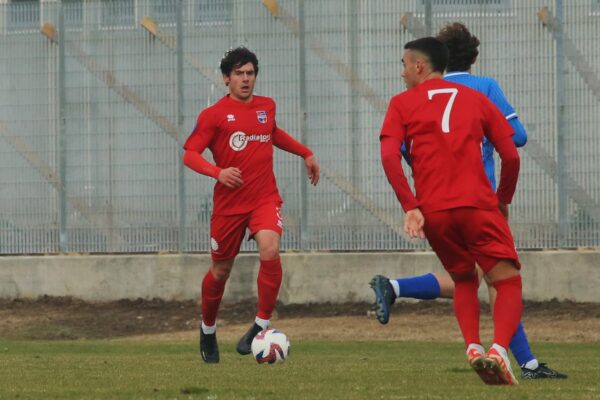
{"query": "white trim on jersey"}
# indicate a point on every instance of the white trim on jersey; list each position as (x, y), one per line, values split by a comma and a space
(510, 116)
(456, 73)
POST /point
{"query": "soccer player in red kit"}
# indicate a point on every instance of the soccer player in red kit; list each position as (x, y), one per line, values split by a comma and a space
(240, 130)
(443, 125)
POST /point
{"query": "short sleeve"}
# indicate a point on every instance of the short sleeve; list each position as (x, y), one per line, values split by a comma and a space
(202, 134)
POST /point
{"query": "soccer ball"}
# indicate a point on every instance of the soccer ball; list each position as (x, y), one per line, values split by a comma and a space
(270, 346)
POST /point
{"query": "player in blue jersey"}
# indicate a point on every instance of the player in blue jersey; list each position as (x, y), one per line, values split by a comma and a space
(462, 46)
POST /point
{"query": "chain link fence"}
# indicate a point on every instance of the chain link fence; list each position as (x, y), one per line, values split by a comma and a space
(97, 97)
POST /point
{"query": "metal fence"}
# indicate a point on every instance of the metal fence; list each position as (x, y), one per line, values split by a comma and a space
(96, 98)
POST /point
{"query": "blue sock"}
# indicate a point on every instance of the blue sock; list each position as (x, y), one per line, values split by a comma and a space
(519, 345)
(424, 287)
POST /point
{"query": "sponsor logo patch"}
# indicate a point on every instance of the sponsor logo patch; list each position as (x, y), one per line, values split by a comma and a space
(239, 140)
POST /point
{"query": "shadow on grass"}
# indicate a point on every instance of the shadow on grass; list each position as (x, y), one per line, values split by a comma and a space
(193, 390)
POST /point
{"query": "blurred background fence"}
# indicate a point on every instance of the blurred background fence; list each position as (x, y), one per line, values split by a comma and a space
(97, 97)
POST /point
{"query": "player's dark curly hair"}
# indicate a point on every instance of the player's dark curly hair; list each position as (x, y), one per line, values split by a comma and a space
(462, 46)
(237, 57)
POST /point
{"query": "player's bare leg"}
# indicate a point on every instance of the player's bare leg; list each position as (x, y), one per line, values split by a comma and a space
(213, 286)
(268, 282)
(446, 285)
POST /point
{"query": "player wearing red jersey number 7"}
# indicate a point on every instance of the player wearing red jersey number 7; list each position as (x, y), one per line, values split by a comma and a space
(455, 208)
(240, 130)
(463, 52)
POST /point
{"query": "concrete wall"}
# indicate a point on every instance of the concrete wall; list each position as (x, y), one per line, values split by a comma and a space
(308, 277)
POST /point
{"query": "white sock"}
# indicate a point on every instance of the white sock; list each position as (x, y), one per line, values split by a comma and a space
(477, 347)
(209, 330)
(396, 287)
(500, 350)
(533, 364)
(263, 323)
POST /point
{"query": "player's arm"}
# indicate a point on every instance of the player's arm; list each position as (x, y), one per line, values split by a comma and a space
(496, 95)
(391, 139)
(520, 136)
(509, 169)
(283, 141)
(230, 177)
(391, 158)
(500, 134)
(193, 159)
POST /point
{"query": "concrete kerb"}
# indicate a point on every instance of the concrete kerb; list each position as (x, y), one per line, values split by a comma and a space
(308, 277)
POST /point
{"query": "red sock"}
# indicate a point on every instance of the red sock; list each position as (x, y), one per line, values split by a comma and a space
(507, 309)
(466, 308)
(268, 281)
(212, 292)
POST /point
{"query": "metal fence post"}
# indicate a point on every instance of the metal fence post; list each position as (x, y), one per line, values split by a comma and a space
(181, 242)
(428, 18)
(62, 125)
(561, 103)
(355, 158)
(303, 135)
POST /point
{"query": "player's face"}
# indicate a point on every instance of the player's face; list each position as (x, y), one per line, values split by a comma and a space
(241, 82)
(409, 70)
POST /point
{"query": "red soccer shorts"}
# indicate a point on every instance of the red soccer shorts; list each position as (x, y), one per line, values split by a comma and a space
(464, 236)
(227, 231)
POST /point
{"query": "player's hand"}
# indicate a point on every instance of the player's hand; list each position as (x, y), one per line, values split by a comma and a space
(503, 209)
(312, 169)
(231, 177)
(413, 224)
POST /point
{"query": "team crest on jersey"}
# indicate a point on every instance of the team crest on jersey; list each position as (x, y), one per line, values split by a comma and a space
(262, 116)
(230, 118)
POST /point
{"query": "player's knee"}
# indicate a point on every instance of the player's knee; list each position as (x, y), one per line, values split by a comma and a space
(503, 270)
(221, 271)
(463, 276)
(220, 275)
(269, 252)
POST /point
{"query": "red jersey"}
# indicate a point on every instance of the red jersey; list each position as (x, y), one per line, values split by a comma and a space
(443, 125)
(239, 135)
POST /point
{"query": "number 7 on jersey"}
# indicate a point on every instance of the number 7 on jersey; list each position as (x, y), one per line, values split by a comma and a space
(446, 117)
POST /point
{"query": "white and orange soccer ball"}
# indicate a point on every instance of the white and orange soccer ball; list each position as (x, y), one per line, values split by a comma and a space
(270, 346)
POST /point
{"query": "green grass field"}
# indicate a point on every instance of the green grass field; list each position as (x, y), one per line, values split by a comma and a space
(127, 369)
